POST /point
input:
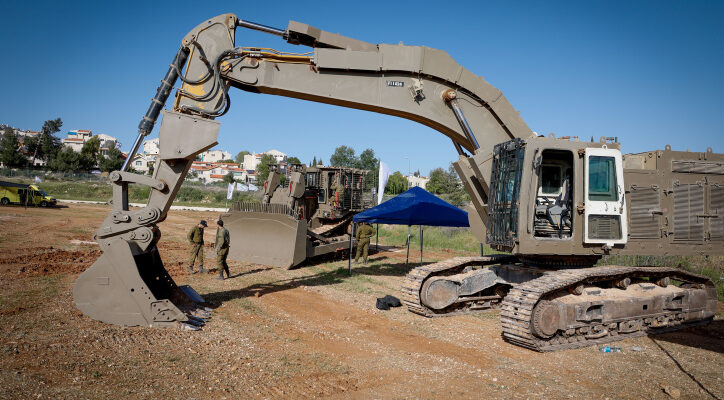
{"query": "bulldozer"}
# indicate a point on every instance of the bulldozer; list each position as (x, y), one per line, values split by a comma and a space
(555, 205)
(308, 217)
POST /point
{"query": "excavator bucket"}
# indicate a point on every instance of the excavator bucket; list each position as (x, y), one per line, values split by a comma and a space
(268, 238)
(136, 290)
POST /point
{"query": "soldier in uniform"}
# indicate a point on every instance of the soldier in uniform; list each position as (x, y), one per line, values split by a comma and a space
(336, 192)
(196, 238)
(364, 233)
(222, 249)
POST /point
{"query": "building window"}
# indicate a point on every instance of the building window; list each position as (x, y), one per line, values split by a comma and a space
(139, 163)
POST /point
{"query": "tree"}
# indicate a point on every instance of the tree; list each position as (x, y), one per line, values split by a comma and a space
(293, 160)
(343, 157)
(396, 184)
(314, 162)
(11, 154)
(89, 153)
(228, 160)
(240, 156)
(47, 145)
(442, 182)
(262, 170)
(113, 161)
(367, 160)
(229, 178)
(66, 160)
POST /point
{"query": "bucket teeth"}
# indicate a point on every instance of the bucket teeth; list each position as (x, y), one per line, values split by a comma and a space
(198, 313)
(188, 327)
(195, 320)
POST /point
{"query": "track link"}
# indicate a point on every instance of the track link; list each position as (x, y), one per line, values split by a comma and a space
(414, 280)
(517, 307)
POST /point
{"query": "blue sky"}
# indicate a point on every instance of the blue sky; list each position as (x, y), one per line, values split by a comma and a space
(649, 72)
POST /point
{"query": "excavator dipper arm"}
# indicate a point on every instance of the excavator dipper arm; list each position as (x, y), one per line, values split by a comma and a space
(128, 284)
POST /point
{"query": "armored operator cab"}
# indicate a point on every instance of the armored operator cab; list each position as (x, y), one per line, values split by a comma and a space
(308, 217)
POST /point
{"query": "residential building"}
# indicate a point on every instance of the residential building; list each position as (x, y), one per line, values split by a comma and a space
(22, 137)
(77, 138)
(420, 181)
(151, 147)
(209, 172)
(278, 155)
(142, 163)
(251, 161)
(107, 143)
(214, 156)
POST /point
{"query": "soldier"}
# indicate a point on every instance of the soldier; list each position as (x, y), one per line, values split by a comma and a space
(364, 233)
(222, 249)
(336, 192)
(196, 238)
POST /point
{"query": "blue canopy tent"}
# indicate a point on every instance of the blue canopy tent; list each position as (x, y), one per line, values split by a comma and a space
(416, 206)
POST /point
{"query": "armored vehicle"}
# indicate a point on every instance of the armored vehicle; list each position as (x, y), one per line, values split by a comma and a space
(307, 217)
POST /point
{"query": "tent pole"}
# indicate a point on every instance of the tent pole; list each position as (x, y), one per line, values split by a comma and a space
(351, 243)
(421, 245)
(482, 253)
(377, 238)
(407, 259)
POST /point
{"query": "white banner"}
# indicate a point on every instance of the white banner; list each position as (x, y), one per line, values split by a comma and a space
(253, 188)
(242, 188)
(230, 190)
(384, 176)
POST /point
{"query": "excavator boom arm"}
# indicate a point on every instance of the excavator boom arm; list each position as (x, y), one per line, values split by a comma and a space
(413, 82)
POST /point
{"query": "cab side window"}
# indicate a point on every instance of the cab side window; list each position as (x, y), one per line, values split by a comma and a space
(602, 179)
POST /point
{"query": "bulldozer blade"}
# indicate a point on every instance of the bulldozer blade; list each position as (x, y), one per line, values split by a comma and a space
(264, 238)
(136, 290)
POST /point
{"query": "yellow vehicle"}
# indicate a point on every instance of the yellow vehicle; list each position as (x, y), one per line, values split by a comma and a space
(18, 193)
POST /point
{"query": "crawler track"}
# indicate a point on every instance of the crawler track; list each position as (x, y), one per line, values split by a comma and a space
(416, 278)
(517, 308)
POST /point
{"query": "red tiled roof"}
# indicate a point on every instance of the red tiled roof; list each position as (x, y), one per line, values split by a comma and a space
(72, 140)
(218, 176)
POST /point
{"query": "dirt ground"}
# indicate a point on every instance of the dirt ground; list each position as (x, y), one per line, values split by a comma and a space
(312, 332)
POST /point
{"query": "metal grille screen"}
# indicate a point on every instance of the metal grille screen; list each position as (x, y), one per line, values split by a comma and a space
(716, 207)
(688, 204)
(644, 223)
(504, 193)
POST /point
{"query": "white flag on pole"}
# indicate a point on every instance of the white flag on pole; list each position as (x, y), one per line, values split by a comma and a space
(253, 188)
(242, 188)
(384, 176)
(230, 190)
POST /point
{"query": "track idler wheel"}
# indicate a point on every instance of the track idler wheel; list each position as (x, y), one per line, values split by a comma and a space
(439, 292)
(546, 319)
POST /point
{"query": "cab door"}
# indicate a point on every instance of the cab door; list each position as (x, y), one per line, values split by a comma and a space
(605, 208)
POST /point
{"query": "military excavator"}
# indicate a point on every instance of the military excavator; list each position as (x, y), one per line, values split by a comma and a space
(308, 217)
(556, 205)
